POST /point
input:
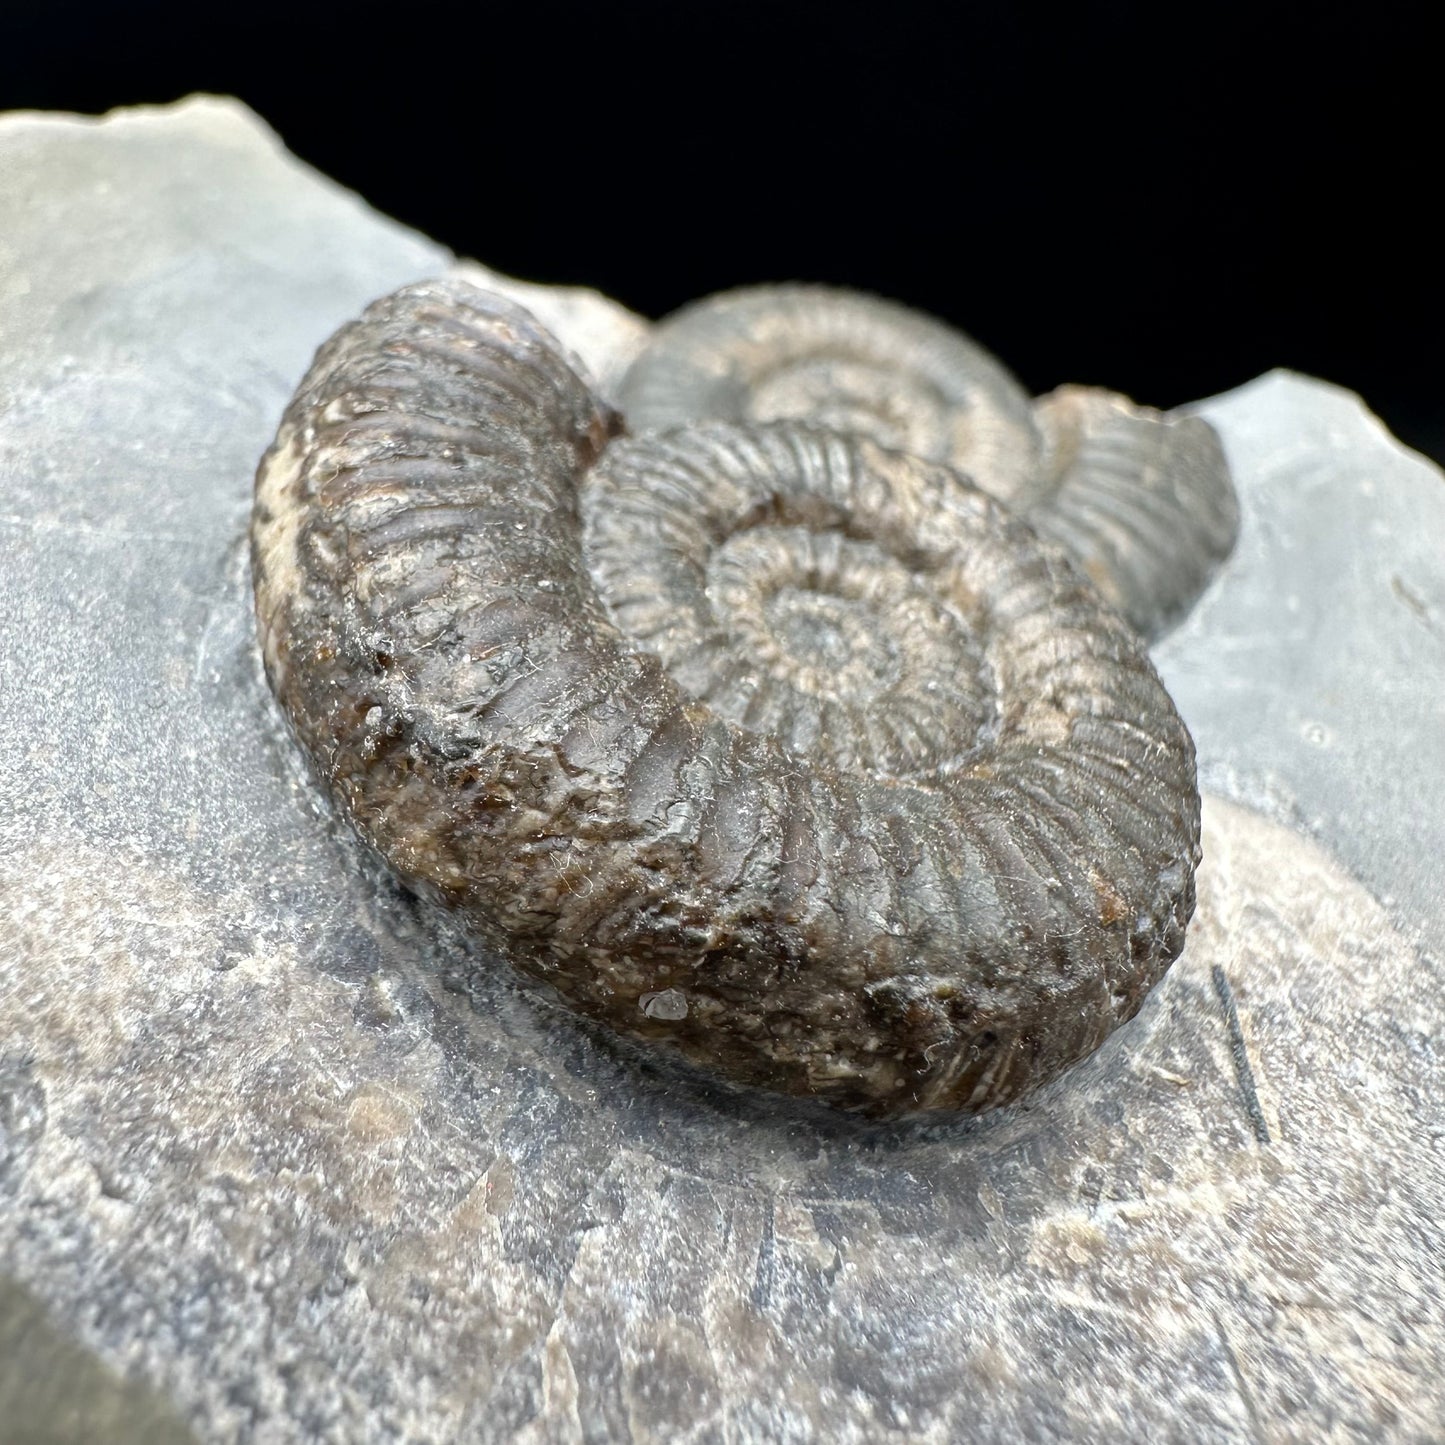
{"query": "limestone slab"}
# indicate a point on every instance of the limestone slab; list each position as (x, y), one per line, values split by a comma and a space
(283, 1158)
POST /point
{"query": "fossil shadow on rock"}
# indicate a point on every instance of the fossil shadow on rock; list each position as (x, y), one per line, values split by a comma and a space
(1178, 1074)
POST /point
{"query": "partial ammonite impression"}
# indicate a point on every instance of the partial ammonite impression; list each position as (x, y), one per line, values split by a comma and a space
(785, 748)
(1143, 501)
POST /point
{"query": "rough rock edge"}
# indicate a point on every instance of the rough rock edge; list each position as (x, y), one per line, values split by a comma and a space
(602, 333)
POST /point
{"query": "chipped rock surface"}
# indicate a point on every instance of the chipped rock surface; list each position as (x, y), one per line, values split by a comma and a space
(282, 1158)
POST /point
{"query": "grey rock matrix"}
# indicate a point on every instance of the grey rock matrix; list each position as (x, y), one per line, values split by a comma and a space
(284, 1158)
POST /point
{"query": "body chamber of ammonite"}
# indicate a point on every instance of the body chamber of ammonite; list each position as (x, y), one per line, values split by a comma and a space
(761, 731)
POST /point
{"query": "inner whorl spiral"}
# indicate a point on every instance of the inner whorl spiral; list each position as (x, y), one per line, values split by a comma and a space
(798, 733)
(787, 577)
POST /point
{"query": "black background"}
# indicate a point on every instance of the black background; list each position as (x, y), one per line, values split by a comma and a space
(1167, 199)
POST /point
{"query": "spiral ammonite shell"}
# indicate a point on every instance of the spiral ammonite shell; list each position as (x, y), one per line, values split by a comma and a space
(845, 361)
(788, 750)
(1142, 501)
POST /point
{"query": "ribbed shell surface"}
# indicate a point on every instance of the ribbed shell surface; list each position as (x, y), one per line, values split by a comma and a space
(920, 899)
(845, 361)
(1141, 500)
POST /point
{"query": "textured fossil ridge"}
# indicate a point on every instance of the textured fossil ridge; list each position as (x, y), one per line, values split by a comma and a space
(849, 362)
(1142, 501)
(787, 748)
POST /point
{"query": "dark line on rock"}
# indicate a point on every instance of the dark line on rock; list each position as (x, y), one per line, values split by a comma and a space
(763, 1275)
(1246, 1395)
(1413, 602)
(1240, 1055)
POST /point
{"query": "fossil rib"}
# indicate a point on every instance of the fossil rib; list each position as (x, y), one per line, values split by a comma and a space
(1141, 500)
(842, 360)
(789, 750)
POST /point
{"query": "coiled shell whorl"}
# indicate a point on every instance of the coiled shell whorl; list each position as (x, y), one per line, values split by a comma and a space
(842, 360)
(785, 749)
(1142, 501)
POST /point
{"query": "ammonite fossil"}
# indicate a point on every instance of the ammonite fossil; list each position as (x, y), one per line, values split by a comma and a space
(845, 361)
(785, 748)
(1142, 501)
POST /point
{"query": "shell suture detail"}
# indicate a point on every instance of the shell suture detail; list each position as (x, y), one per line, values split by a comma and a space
(784, 746)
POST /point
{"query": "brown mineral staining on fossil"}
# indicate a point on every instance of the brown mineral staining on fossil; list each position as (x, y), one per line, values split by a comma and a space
(788, 749)
(1141, 500)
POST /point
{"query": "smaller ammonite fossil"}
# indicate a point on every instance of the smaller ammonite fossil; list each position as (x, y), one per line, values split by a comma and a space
(845, 361)
(1141, 500)
(789, 750)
